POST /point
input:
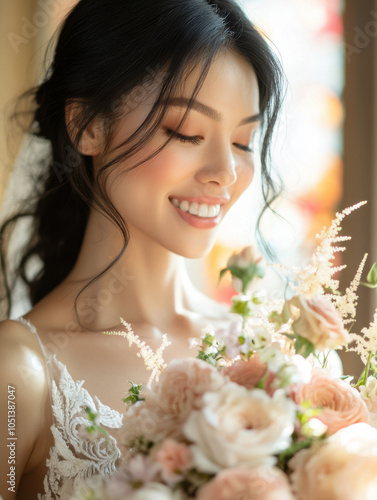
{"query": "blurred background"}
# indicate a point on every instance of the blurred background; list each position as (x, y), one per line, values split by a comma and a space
(325, 149)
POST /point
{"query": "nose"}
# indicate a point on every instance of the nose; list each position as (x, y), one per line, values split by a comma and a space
(220, 167)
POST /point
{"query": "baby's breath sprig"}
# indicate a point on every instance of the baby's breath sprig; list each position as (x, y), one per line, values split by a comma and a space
(153, 360)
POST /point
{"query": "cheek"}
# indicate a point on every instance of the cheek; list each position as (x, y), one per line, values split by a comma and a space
(149, 185)
(168, 169)
(245, 178)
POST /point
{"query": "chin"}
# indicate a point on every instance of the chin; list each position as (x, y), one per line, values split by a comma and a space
(194, 249)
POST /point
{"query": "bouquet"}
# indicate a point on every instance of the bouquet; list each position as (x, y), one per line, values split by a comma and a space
(263, 412)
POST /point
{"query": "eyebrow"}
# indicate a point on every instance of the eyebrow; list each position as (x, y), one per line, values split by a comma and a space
(207, 110)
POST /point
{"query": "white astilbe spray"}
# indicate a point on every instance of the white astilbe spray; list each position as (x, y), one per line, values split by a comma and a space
(153, 360)
(317, 276)
(366, 344)
(346, 304)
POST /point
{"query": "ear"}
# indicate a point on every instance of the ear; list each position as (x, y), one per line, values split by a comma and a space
(92, 138)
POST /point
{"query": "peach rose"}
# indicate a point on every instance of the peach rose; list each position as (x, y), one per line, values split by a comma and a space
(343, 468)
(169, 401)
(242, 483)
(341, 404)
(174, 459)
(319, 322)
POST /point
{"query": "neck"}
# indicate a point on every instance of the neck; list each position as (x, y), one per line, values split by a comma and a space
(148, 285)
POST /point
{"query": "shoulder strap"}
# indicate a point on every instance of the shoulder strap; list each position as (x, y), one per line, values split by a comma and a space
(46, 355)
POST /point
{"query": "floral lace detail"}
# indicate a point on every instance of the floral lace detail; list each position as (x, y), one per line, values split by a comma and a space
(75, 456)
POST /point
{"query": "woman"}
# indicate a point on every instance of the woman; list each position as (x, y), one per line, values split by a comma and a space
(152, 108)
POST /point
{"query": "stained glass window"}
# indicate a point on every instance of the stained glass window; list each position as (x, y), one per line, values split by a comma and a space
(308, 37)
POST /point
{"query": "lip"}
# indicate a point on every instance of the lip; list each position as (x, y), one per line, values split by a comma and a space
(208, 200)
(199, 222)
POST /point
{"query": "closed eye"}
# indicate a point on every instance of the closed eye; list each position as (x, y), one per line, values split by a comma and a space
(196, 139)
(248, 149)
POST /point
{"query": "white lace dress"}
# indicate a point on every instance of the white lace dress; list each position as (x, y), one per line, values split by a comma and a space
(73, 459)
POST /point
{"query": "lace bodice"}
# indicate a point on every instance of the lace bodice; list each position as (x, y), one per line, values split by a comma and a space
(75, 457)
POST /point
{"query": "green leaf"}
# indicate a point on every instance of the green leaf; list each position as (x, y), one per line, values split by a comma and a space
(208, 339)
(304, 346)
(372, 275)
(287, 454)
(133, 394)
(286, 312)
(222, 272)
(260, 271)
(238, 272)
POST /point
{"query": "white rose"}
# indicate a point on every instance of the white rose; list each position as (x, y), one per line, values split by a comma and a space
(239, 427)
(156, 491)
(369, 395)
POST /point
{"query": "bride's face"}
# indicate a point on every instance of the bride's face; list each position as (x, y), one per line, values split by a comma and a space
(212, 168)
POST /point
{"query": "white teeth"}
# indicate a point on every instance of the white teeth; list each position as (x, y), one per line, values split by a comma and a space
(184, 205)
(194, 208)
(202, 210)
(212, 211)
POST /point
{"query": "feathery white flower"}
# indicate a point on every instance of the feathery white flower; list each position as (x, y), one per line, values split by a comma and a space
(318, 274)
(367, 343)
(153, 360)
(346, 304)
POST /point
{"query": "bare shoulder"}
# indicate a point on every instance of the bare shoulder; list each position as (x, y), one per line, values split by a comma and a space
(24, 394)
(21, 359)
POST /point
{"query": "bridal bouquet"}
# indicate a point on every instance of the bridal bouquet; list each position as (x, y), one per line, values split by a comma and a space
(263, 411)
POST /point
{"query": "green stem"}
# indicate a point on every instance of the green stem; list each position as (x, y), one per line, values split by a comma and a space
(363, 377)
(243, 322)
(325, 360)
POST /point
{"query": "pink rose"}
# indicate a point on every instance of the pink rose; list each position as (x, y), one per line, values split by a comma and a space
(255, 484)
(174, 458)
(169, 402)
(341, 404)
(319, 322)
(343, 468)
(246, 373)
(249, 373)
(243, 260)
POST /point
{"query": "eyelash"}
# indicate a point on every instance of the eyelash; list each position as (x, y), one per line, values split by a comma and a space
(197, 140)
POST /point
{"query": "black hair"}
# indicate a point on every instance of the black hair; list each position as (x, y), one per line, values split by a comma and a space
(107, 52)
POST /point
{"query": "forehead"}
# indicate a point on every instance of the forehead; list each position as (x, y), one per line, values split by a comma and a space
(230, 87)
(230, 81)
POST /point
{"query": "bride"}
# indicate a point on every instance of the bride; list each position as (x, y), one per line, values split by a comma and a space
(152, 109)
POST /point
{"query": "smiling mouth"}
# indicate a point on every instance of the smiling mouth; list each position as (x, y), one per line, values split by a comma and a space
(199, 210)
